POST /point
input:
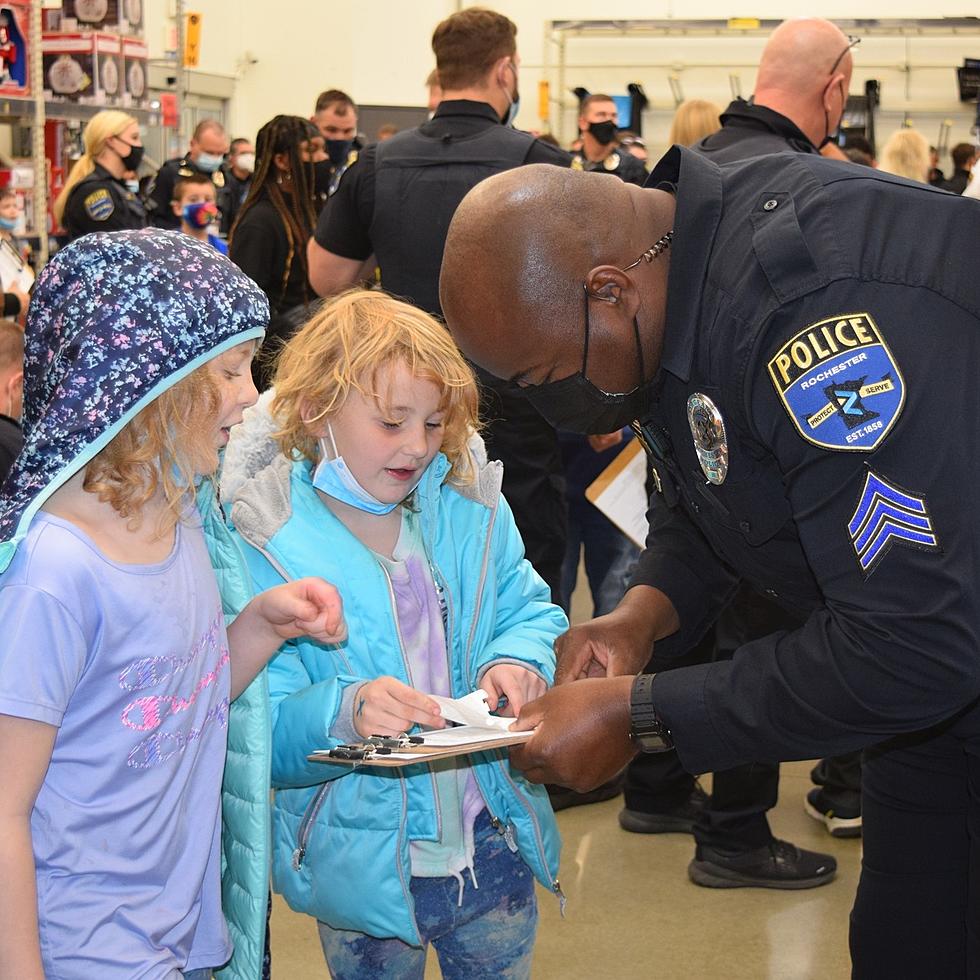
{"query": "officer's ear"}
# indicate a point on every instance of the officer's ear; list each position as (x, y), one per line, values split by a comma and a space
(830, 90)
(609, 284)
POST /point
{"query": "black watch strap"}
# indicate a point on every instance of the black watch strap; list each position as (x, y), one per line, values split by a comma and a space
(646, 727)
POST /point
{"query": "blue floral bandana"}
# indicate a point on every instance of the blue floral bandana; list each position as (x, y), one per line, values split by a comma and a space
(116, 319)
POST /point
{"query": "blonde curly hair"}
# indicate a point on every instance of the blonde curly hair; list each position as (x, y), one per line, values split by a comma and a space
(168, 446)
(344, 346)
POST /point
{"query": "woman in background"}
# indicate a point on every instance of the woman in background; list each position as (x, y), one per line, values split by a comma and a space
(693, 120)
(906, 154)
(268, 239)
(95, 196)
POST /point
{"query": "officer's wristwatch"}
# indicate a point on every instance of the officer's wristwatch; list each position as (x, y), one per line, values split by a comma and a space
(647, 729)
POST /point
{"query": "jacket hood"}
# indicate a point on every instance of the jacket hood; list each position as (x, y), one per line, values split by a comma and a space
(256, 475)
(116, 319)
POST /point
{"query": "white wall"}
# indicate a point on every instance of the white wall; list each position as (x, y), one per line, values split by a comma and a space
(379, 51)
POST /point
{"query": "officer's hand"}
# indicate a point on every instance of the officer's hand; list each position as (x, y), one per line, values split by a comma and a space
(581, 736)
(621, 642)
(607, 441)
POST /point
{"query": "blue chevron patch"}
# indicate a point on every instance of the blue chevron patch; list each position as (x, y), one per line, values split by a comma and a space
(888, 515)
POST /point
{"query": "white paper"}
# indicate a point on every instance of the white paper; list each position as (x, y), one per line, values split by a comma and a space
(624, 500)
(471, 710)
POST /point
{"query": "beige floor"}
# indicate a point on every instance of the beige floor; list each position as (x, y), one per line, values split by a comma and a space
(633, 915)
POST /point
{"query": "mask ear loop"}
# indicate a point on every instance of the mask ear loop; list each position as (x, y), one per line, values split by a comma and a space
(585, 352)
(333, 441)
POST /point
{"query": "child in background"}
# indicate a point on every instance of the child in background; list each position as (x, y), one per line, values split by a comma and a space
(16, 296)
(364, 466)
(195, 204)
(116, 668)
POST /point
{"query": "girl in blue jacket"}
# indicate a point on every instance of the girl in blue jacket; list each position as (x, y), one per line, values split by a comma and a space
(362, 467)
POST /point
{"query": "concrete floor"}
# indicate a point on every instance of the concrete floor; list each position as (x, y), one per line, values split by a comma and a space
(633, 914)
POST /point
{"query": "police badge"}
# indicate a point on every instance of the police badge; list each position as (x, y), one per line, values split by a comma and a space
(710, 439)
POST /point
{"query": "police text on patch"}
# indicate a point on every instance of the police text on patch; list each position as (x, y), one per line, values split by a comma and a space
(839, 383)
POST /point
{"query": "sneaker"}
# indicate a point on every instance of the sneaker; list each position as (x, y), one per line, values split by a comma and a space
(562, 797)
(677, 821)
(840, 821)
(778, 864)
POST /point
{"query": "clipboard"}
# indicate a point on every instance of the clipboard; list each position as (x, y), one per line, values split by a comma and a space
(443, 744)
(620, 492)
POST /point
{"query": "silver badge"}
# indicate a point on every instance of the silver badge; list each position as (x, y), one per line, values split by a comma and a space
(710, 440)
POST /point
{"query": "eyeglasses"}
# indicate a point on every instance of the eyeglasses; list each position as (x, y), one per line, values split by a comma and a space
(852, 42)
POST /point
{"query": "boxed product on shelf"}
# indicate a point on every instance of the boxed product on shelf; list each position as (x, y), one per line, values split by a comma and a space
(14, 27)
(134, 79)
(124, 16)
(84, 67)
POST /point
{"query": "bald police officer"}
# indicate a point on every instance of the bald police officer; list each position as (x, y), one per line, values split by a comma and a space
(800, 348)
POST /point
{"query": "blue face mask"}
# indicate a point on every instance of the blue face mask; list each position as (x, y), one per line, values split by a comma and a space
(8, 224)
(333, 477)
(208, 162)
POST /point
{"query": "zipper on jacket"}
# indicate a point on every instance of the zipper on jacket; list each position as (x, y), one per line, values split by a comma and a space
(306, 825)
(411, 683)
(479, 591)
(555, 884)
(406, 889)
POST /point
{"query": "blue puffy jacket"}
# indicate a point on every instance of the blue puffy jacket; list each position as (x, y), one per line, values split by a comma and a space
(341, 836)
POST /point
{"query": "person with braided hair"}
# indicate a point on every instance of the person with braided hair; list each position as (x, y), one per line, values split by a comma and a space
(275, 222)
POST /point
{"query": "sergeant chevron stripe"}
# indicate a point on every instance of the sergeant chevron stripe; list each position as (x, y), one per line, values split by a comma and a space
(888, 515)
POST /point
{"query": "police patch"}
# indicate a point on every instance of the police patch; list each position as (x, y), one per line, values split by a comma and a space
(839, 383)
(888, 515)
(98, 205)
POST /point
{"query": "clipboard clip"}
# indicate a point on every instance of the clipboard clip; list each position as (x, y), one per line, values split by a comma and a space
(401, 741)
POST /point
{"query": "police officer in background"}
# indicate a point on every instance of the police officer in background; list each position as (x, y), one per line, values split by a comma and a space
(95, 196)
(335, 116)
(238, 178)
(600, 145)
(206, 154)
(396, 203)
(799, 401)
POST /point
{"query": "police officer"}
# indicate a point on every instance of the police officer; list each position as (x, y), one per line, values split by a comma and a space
(206, 154)
(396, 203)
(799, 344)
(95, 196)
(335, 116)
(805, 66)
(600, 146)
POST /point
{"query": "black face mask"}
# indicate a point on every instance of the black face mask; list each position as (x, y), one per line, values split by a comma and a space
(576, 404)
(603, 132)
(339, 151)
(132, 159)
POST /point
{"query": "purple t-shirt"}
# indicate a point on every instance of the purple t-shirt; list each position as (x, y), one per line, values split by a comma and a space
(130, 663)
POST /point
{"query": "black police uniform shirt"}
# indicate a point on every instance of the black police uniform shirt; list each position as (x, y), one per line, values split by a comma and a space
(749, 130)
(100, 202)
(345, 223)
(820, 309)
(161, 192)
(619, 163)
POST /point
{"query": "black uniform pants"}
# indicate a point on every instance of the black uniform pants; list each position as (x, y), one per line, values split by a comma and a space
(917, 912)
(735, 819)
(534, 479)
